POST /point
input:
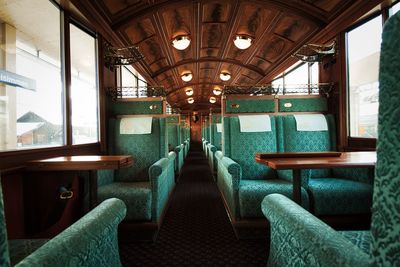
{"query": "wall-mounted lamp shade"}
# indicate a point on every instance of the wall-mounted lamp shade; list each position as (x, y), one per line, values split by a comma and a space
(190, 100)
(242, 42)
(186, 77)
(217, 91)
(213, 100)
(225, 76)
(189, 91)
(181, 42)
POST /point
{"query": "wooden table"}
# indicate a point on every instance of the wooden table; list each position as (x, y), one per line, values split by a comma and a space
(82, 163)
(297, 161)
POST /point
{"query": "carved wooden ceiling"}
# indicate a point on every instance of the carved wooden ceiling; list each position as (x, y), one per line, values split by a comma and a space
(278, 28)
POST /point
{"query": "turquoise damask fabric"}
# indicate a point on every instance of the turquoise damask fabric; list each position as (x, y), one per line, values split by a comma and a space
(385, 227)
(4, 251)
(136, 196)
(91, 241)
(251, 194)
(244, 146)
(340, 196)
(298, 238)
(21, 248)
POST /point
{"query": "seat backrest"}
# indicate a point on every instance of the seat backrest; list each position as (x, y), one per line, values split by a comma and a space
(243, 146)
(215, 136)
(292, 140)
(174, 135)
(4, 252)
(145, 149)
(385, 227)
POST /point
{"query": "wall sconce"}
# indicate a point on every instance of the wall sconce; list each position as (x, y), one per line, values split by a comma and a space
(217, 91)
(225, 76)
(181, 42)
(242, 41)
(213, 100)
(187, 77)
(189, 91)
(190, 100)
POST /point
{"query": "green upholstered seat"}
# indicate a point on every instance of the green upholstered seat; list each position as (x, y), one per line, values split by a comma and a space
(335, 196)
(136, 196)
(252, 192)
(175, 144)
(242, 181)
(91, 241)
(145, 187)
(300, 239)
(341, 191)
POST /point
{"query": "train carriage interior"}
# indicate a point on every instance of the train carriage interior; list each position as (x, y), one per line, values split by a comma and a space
(199, 133)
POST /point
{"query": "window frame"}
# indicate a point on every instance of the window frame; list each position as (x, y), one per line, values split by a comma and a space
(17, 157)
(359, 143)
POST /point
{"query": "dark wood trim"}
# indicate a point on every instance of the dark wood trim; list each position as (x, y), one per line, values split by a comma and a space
(67, 78)
(17, 158)
(360, 144)
(102, 95)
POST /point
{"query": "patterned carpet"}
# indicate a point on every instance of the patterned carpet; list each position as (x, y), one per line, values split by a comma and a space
(196, 229)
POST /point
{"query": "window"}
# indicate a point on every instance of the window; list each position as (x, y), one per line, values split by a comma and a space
(131, 82)
(395, 8)
(363, 51)
(84, 97)
(294, 79)
(31, 94)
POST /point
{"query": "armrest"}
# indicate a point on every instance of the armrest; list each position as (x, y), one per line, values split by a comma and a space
(171, 155)
(160, 180)
(177, 149)
(229, 174)
(91, 241)
(299, 237)
(212, 148)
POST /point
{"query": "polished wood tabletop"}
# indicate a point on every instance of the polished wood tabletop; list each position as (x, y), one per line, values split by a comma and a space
(81, 163)
(317, 160)
(297, 161)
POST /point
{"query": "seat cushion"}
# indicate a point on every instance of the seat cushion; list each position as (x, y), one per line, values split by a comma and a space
(252, 192)
(21, 248)
(333, 196)
(136, 196)
(362, 239)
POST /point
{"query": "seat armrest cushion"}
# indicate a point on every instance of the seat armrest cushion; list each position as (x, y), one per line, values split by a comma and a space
(91, 241)
(298, 238)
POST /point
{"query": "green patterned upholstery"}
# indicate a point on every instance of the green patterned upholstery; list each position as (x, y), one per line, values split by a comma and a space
(332, 192)
(362, 239)
(335, 196)
(244, 146)
(136, 196)
(146, 186)
(135, 108)
(250, 105)
(174, 143)
(385, 227)
(252, 192)
(300, 239)
(242, 181)
(21, 248)
(319, 104)
(4, 251)
(91, 241)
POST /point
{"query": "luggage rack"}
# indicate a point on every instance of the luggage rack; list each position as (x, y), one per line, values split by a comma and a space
(135, 92)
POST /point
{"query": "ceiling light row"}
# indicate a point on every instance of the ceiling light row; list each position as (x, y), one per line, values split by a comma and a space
(241, 41)
(212, 100)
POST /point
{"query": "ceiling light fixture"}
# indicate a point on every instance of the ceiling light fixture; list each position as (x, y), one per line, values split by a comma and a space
(187, 77)
(225, 76)
(189, 91)
(242, 41)
(181, 42)
(190, 100)
(217, 91)
(213, 100)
